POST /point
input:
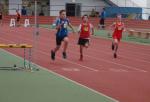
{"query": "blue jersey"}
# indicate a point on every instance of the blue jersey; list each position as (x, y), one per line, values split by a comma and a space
(103, 15)
(63, 31)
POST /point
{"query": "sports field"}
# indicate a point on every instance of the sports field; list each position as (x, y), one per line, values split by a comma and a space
(99, 78)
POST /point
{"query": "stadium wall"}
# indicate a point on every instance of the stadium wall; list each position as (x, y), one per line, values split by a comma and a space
(86, 5)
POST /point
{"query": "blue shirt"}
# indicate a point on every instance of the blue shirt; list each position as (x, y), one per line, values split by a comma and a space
(23, 11)
(103, 15)
(63, 31)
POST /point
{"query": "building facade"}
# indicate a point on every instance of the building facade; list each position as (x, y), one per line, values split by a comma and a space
(73, 7)
(52, 7)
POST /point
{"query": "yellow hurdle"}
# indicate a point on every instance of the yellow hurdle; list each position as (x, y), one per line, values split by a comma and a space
(24, 46)
(15, 46)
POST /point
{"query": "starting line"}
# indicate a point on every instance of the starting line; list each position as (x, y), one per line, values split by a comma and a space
(22, 46)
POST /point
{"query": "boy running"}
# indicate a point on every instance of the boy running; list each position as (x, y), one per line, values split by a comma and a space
(62, 34)
(85, 30)
(118, 27)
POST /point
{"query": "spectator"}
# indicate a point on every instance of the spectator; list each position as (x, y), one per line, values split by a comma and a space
(93, 13)
(18, 17)
(41, 13)
(102, 19)
(23, 11)
(1, 18)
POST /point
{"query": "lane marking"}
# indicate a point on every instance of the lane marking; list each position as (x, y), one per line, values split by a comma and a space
(59, 75)
(92, 69)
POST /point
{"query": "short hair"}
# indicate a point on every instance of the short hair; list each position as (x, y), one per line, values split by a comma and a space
(61, 11)
(119, 15)
(85, 16)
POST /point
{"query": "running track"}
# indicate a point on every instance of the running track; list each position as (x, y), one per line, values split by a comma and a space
(126, 78)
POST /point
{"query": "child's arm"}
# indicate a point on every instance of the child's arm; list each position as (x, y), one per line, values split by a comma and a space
(110, 29)
(124, 28)
(112, 26)
(79, 29)
(70, 25)
(92, 29)
(58, 26)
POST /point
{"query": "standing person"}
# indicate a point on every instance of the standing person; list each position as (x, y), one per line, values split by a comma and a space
(118, 27)
(18, 16)
(102, 19)
(23, 11)
(62, 34)
(85, 30)
(1, 18)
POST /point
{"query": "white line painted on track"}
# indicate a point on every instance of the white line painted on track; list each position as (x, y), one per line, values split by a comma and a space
(47, 54)
(71, 69)
(108, 97)
(89, 68)
(118, 70)
(126, 66)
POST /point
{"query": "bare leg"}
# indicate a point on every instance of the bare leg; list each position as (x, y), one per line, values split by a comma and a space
(0, 22)
(66, 40)
(86, 45)
(115, 47)
(81, 53)
(56, 49)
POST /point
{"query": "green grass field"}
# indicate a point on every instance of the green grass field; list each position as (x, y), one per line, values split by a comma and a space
(40, 86)
(104, 34)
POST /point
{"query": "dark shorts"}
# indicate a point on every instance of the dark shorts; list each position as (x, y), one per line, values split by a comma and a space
(102, 21)
(1, 17)
(83, 42)
(59, 40)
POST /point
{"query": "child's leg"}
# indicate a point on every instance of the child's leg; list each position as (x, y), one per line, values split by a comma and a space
(56, 49)
(0, 22)
(18, 23)
(81, 52)
(87, 43)
(115, 47)
(66, 40)
(58, 43)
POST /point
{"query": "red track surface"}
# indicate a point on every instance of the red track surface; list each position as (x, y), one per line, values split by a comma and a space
(126, 78)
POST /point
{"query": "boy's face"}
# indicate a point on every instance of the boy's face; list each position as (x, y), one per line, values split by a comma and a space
(119, 17)
(85, 19)
(63, 15)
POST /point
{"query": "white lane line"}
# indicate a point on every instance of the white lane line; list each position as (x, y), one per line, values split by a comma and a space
(47, 54)
(92, 69)
(101, 94)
